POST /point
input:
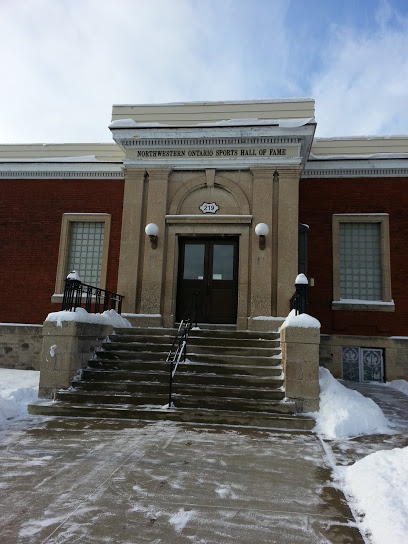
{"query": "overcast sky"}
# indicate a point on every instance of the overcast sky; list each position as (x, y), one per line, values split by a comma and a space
(65, 62)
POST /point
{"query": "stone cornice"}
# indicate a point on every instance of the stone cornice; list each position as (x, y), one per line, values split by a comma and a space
(355, 173)
(60, 170)
(220, 147)
(330, 168)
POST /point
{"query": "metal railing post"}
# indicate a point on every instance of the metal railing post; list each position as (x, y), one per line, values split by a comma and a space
(300, 302)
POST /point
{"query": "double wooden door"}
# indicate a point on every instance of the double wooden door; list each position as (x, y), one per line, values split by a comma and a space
(208, 267)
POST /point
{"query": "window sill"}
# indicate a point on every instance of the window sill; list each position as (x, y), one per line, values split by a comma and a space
(353, 305)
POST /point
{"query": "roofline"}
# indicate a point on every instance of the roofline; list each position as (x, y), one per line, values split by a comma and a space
(220, 102)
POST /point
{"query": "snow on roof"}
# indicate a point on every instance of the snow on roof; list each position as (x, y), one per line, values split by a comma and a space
(350, 156)
(283, 123)
(84, 158)
(220, 102)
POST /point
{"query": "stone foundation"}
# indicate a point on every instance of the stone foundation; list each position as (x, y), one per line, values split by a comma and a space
(395, 353)
(20, 346)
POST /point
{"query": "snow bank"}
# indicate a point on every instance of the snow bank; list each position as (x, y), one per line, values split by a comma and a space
(401, 385)
(344, 413)
(378, 491)
(109, 317)
(17, 389)
(300, 320)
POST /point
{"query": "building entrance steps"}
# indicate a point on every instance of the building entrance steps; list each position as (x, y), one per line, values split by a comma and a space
(229, 377)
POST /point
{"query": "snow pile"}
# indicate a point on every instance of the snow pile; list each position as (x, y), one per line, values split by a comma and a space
(401, 385)
(17, 389)
(73, 276)
(377, 486)
(344, 413)
(109, 317)
(300, 320)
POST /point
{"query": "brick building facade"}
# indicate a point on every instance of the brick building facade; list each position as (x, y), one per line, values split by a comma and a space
(206, 175)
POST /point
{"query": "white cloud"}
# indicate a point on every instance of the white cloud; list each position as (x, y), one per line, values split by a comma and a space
(65, 62)
(363, 88)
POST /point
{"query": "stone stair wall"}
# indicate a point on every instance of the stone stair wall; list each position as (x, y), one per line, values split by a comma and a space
(229, 377)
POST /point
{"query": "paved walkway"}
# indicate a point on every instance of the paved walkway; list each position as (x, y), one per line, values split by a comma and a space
(101, 481)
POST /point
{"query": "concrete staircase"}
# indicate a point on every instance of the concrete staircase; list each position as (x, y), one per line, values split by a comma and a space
(231, 378)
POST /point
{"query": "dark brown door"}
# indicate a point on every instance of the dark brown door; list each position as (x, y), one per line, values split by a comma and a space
(209, 267)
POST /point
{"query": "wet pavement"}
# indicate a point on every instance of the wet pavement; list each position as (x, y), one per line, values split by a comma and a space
(111, 481)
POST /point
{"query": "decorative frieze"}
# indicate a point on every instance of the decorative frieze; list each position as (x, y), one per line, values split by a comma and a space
(354, 172)
(58, 174)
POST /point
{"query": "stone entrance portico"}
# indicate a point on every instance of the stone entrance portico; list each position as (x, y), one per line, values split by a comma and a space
(242, 172)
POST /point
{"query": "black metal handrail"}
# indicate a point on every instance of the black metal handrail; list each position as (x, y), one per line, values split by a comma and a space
(178, 350)
(298, 302)
(77, 294)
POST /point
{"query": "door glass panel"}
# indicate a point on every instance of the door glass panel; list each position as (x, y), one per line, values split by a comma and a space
(223, 262)
(194, 261)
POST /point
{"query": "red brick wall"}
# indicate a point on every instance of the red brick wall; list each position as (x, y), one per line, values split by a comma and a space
(319, 200)
(30, 226)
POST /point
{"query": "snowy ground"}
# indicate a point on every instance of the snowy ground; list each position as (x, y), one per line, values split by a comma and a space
(376, 485)
(17, 389)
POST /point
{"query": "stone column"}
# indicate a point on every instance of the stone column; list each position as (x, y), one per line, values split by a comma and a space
(300, 360)
(154, 259)
(288, 219)
(132, 239)
(66, 349)
(261, 260)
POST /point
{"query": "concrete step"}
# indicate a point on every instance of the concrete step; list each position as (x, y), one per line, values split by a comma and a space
(179, 400)
(274, 368)
(116, 356)
(187, 415)
(166, 340)
(136, 347)
(202, 333)
(157, 388)
(183, 377)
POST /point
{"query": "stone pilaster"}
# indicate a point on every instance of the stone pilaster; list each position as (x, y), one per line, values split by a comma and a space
(132, 239)
(287, 236)
(154, 259)
(261, 260)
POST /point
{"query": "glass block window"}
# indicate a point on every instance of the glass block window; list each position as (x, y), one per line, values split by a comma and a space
(360, 261)
(85, 248)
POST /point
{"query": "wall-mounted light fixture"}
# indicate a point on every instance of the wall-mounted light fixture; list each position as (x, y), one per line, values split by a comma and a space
(152, 230)
(261, 230)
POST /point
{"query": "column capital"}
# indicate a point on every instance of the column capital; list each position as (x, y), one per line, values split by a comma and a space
(134, 174)
(263, 171)
(158, 173)
(289, 171)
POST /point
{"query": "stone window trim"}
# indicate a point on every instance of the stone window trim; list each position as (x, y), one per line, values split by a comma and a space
(67, 219)
(386, 304)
